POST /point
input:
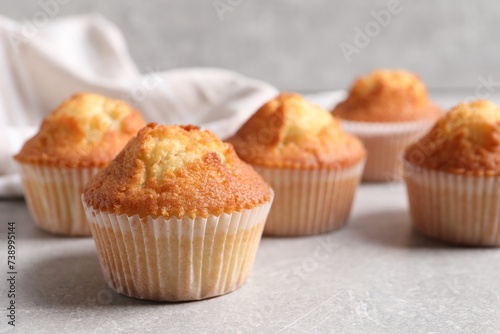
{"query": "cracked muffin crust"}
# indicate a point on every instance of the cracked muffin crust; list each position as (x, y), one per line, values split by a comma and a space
(465, 141)
(87, 130)
(176, 171)
(387, 96)
(290, 132)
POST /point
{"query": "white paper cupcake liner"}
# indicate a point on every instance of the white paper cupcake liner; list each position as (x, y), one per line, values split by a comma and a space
(385, 144)
(454, 208)
(309, 201)
(53, 197)
(177, 259)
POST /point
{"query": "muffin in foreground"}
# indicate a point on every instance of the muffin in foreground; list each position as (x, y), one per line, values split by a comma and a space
(312, 165)
(388, 110)
(76, 140)
(177, 215)
(452, 177)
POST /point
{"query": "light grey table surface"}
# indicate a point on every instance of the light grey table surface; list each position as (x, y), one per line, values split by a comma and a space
(373, 276)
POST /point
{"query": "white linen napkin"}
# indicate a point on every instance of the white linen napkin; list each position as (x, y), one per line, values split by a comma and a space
(42, 66)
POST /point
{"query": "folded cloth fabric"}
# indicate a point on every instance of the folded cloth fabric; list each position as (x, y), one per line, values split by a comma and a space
(43, 65)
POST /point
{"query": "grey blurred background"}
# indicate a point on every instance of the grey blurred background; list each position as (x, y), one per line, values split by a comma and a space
(296, 45)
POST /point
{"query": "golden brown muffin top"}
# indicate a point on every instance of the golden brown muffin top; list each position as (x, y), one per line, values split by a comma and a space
(387, 96)
(289, 132)
(87, 130)
(465, 141)
(176, 171)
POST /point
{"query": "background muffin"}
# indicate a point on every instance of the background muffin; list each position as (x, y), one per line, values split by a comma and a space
(387, 110)
(312, 165)
(77, 139)
(177, 215)
(452, 176)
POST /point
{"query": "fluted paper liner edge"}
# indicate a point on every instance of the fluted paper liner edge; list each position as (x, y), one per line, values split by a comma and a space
(53, 196)
(310, 201)
(455, 208)
(385, 144)
(177, 259)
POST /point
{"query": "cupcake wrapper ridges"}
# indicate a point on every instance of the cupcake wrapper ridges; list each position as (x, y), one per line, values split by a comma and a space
(455, 208)
(177, 259)
(385, 144)
(53, 197)
(310, 201)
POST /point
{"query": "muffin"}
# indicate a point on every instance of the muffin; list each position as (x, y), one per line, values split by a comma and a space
(312, 165)
(388, 110)
(77, 139)
(452, 177)
(177, 215)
